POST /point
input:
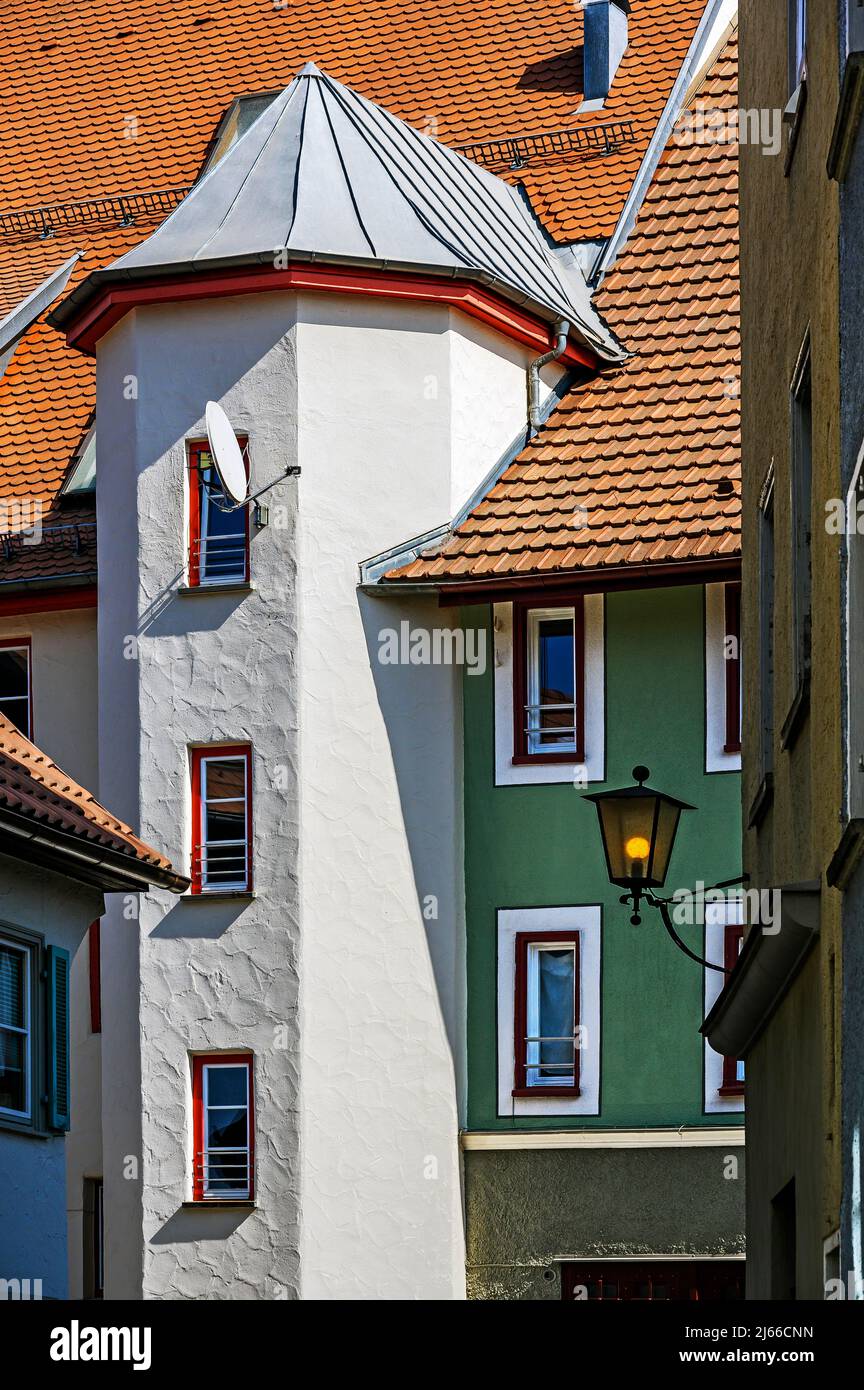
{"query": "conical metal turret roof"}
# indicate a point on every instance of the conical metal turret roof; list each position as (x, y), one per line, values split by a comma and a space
(323, 174)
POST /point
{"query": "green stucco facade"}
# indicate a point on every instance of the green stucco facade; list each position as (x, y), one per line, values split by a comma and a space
(540, 846)
(535, 846)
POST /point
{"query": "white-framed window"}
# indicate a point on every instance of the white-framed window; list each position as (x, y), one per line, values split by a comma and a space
(223, 1127)
(722, 678)
(15, 683)
(219, 550)
(222, 819)
(546, 1013)
(724, 1076)
(550, 717)
(548, 984)
(553, 659)
(15, 1031)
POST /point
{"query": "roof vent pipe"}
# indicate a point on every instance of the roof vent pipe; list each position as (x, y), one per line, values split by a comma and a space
(605, 41)
(535, 414)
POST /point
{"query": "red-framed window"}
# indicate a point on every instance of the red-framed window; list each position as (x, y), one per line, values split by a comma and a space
(222, 818)
(16, 683)
(733, 1067)
(549, 682)
(94, 944)
(732, 654)
(218, 540)
(223, 1125)
(546, 1026)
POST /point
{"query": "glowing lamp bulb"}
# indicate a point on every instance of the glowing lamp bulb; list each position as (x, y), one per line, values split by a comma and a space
(637, 847)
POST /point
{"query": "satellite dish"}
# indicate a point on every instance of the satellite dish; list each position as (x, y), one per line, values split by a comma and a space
(227, 457)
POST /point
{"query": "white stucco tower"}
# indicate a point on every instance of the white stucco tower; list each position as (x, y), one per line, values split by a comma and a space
(364, 304)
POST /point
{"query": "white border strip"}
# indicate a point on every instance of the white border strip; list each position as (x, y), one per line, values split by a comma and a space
(708, 1137)
(716, 757)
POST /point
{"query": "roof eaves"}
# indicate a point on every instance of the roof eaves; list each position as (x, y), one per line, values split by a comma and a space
(83, 859)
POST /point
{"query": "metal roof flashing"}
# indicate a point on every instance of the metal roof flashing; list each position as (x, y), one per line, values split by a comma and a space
(325, 175)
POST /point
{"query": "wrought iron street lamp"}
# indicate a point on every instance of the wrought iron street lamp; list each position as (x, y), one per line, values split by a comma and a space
(638, 827)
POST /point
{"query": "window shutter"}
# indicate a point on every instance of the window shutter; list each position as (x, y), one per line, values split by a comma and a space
(58, 1038)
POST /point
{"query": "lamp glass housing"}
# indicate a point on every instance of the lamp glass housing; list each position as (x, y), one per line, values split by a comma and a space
(638, 827)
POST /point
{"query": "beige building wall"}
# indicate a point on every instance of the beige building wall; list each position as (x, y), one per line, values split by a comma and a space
(789, 285)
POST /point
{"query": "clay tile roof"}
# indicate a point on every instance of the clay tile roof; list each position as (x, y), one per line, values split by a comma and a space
(116, 99)
(640, 466)
(34, 791)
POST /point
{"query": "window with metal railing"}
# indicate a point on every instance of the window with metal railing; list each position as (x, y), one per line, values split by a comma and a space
(222, 819)
(549, 682)
(223, 1128)
(218, 539)
(547, 1033)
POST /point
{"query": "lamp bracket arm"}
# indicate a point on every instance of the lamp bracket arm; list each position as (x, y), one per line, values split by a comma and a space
(663, 908)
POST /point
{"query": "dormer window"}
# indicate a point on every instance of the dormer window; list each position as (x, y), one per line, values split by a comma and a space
(240, 116)
(81, 481)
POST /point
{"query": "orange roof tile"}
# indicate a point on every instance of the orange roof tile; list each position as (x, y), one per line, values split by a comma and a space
(118, 99)
(632, 467)
(34, 788)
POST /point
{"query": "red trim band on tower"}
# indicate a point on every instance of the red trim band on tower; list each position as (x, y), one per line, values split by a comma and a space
(114, 301)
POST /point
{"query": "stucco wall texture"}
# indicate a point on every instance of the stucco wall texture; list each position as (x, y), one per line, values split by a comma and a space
(528, 1209)
(357, 776)
(789, 285)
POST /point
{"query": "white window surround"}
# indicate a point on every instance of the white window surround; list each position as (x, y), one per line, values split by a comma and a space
(716, 758)
(586, 920)
(717, 917)
(545, 774)
(24, 1114)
